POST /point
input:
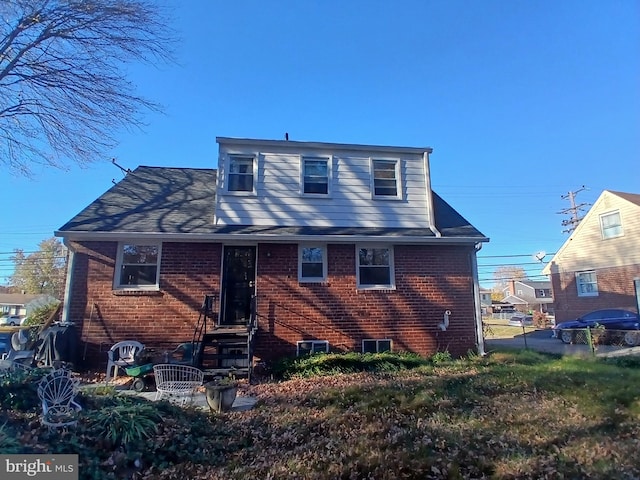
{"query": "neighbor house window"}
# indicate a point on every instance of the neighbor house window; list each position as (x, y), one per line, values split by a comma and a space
(385, 178)
(312, 263)
(376, 346)
(307, 347)
(375, 267)
(138, 265)
(587, 284)
(240, 174)
(316, 174)
(611, 225)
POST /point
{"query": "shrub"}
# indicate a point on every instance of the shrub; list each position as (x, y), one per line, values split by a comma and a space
(124, 424)
(8, 441)
(19, 389)
(351, 362)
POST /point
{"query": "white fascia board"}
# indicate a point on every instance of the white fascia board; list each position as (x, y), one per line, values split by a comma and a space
(199, 238)
(297, 145)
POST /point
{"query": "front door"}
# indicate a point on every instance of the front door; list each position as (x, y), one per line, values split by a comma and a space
(238, 284)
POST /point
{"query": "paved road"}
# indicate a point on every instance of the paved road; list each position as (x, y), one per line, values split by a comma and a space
(540, 340)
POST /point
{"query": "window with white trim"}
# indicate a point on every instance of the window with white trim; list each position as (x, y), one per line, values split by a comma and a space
(587, 284)
(315, 173)
(138, 266)
(308, 347)
(376, 346)
(240, 174)
(312, 263)
(375, 267)
(385, 179)
(611, 225)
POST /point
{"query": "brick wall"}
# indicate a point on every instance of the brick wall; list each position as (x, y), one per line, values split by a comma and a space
(615, 290)
(429, 281)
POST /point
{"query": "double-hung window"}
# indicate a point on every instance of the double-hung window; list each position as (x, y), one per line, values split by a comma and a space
(385, 179)
(587, 284)
(316, 175)
(312, 263)
(240, 174)
(375, 267)
(611, 225)
(138, 266)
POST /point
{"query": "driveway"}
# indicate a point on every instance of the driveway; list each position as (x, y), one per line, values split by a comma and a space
(541, 341)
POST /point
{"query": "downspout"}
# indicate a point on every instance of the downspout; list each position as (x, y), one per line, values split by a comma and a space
(476, 299)
(68, 282)
(429, 197)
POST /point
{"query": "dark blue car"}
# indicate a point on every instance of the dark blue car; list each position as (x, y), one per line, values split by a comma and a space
(621, 323)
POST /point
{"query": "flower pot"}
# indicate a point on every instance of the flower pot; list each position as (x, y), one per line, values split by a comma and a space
(220, 398)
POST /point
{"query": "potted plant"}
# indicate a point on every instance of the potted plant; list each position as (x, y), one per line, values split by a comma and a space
(221, 393)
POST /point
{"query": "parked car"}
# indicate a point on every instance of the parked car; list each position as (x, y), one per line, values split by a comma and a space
(617, 323)
(11, 320)
(520, 319)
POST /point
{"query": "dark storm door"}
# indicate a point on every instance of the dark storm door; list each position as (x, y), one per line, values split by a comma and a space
(238, 284)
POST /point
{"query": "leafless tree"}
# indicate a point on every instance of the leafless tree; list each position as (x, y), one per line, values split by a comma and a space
(63, 87)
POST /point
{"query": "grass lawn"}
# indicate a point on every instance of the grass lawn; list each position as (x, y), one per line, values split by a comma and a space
(506, 416)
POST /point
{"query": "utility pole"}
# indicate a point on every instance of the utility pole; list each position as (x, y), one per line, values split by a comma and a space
(574, 210)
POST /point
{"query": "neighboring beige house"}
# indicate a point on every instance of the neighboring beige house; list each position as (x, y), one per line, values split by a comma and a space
(22, 304)
(596, 267)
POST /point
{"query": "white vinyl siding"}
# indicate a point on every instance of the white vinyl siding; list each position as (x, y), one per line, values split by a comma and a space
(587, 284)
(279, 201)
(137, 266)
(611, 225)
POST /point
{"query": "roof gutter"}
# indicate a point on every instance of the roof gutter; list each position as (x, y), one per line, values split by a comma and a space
(258, 237)
(476, 297)
(429, 194)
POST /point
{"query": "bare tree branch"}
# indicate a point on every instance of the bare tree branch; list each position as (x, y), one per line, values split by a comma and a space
(63, 89)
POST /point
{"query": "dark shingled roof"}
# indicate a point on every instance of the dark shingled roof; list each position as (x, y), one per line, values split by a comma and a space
(163, 200)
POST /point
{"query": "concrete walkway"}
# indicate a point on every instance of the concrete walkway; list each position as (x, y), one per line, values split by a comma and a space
(241, 403)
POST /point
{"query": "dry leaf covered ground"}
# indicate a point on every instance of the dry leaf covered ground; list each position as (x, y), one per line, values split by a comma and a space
(508, 416)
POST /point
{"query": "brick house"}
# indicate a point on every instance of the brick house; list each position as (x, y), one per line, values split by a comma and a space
(597, 265)
(315, 246)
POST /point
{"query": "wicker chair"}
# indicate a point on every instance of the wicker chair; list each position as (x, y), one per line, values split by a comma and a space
(177, 382)
(57, 391)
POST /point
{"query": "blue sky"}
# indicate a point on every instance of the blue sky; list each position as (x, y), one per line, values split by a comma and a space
(522, 102)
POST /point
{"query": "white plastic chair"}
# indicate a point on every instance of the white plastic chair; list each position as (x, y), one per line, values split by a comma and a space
(177, 382)
(121, 355)
(57, 391)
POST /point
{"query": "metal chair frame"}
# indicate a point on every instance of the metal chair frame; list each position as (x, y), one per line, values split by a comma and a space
(57, 391)
(177, 382)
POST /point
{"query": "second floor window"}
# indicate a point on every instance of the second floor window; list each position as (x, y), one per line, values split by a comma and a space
(240, 176)
(611, 225)
(385, 178)
(315, 176)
